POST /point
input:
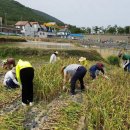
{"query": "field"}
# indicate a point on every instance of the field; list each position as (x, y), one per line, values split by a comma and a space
(105, 105)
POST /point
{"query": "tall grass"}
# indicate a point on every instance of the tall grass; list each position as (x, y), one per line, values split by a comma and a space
(109, 103)
(48, 79)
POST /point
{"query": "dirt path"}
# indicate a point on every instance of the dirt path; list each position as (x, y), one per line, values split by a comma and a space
(47, 118)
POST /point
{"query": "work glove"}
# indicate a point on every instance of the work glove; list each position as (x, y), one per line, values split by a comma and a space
(64, 88)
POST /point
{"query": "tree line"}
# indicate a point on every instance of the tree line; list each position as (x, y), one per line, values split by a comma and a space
(114, 30)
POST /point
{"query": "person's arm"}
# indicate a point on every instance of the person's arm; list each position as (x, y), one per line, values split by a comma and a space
(104, 75)
(65, 79)
(14, 79)
(102, 70)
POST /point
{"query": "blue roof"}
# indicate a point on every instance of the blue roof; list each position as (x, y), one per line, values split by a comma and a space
(76, 35)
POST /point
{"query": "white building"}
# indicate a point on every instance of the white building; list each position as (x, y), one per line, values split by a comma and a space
(26, 28)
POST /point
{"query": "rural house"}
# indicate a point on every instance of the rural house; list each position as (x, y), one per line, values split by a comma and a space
(35, 28)
(63, 33)
(26, 28)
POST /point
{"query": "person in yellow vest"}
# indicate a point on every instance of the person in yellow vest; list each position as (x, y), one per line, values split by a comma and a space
(83, 61)
(25, 75)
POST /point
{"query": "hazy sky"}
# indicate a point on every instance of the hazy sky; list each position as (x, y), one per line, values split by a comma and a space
(85, 12)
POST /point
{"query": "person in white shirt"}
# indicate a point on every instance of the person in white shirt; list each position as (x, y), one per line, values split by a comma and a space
(53, 57)
(72, 73)
(10, 80)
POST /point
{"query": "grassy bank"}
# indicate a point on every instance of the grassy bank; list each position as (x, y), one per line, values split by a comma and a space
(11, 39)
(25, 52)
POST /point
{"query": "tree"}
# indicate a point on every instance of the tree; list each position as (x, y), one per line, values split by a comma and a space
(88, 30)
(127, 29)
(96, 29)
(111, 30)
(120, 30)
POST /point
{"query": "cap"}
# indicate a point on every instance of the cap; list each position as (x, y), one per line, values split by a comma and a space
(82, 59)
(100, 65)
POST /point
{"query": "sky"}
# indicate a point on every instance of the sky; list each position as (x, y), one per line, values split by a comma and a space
(85, 13)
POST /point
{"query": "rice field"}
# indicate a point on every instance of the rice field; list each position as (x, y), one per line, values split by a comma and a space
(105, 105)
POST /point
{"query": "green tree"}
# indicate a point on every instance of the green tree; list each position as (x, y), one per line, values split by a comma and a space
(120, 30)
(127, 29)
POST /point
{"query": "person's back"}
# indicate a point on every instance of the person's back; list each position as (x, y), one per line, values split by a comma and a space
(126, 57)
(93, 68)
(53, 57)
(10, 80)
(25, 75)
(71, 69)
(8, 75)
(74, 72)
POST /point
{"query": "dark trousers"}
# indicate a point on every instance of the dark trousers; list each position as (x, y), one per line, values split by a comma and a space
(79, 75)
(26, 76)
(11, 84)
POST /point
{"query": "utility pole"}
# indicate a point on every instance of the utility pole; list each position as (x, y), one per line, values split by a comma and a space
(1, 23)
(5, 19)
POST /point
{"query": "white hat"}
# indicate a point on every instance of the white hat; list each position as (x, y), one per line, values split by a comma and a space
(13, 70)
(56, 52)
(82, 59)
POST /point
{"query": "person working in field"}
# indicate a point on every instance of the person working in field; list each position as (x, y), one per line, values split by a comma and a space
(125, 60)
(8, 63)
(83, 61)
(25, 75)
(72, 73)
(53, 57)
(10, 79)
(95, 69)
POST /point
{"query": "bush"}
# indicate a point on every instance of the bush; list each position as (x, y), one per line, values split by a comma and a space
(113, 60)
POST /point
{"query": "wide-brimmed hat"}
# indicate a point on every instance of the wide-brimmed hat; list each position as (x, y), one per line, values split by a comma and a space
(56, 52)
(13, 70)
(82, 59)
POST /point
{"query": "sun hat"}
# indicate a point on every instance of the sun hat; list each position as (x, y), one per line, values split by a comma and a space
(82, 59)
(56, 52)
(13, 70)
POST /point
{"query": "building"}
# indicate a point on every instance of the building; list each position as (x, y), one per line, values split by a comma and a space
(76, 36)
(8, 30)
(35, 28)
(25, 27)
(63, 33)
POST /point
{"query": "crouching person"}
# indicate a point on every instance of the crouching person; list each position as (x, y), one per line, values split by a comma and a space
(8, 63)
(96, 69)
(25, 75)
(72, 73)
(10, 79)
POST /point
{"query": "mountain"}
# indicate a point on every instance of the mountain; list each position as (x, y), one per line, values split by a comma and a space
(12, 11)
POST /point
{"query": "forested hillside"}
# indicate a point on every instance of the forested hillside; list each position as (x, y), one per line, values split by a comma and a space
(13, 11)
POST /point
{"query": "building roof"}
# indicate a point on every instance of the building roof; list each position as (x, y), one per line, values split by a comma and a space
(51, 24)
(76, 35)
(34, 23)
(21, 23)
(63, 30)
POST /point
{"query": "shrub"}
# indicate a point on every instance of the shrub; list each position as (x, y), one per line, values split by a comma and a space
(113, 60)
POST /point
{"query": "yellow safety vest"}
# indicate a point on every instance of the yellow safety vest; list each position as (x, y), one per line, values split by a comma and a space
(20, 65)
(84, 63)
